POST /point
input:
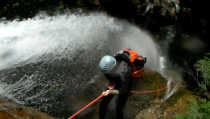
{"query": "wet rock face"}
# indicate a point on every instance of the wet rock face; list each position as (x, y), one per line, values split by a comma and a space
(64, 103)
(48, 88)
(139, 106)
(11, 110)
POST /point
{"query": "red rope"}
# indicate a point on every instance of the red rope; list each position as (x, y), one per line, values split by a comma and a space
(148, 91)
(102, 95)
(88, 105)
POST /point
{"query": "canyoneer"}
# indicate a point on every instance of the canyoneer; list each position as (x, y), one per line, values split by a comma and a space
(120, 82)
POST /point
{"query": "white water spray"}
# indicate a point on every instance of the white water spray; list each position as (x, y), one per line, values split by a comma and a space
(174, 79)
(26, 41)
(81, 39)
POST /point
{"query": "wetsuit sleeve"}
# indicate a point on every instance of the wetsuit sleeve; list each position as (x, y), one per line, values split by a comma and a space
(112, 76)
(125, 88)
(122, 56)
(114, 79)
(121, 82)
(126, 82)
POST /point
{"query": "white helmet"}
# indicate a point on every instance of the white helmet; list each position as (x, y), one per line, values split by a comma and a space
(107, 63)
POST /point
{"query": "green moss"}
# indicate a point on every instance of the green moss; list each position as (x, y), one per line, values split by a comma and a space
(182, 96)
(152, 81)
(197, 110)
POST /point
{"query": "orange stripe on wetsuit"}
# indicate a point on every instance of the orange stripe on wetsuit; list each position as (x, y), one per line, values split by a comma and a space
(136, 73)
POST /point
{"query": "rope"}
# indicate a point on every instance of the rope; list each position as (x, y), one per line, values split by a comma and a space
(148, 91)
(88, 105)
(102, 95)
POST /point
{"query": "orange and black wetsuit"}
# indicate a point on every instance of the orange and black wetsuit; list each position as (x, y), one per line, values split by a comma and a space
(121, 82)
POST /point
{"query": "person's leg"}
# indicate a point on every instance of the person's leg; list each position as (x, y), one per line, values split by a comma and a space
(103, 106)
(121, 102)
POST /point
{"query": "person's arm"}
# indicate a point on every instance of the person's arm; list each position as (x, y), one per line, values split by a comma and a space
(125, 87)
(112, 77)
(122, 56)
(123, 80)
(126, 82)
(107, 92)
(115, 92)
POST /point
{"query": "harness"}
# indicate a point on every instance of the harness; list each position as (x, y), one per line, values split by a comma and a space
(136, 63)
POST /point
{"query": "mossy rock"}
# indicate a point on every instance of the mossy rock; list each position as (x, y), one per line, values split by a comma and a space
(176, 104)
(150, 82)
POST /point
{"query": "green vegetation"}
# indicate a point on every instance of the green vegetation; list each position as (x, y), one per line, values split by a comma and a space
(197, 110)
(200, 109)
(203, 66)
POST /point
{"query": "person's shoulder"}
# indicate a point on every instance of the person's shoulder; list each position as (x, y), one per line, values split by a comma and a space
(119, 53)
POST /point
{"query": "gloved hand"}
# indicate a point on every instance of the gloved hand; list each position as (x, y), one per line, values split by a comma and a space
(114, 92)
(107, 92)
